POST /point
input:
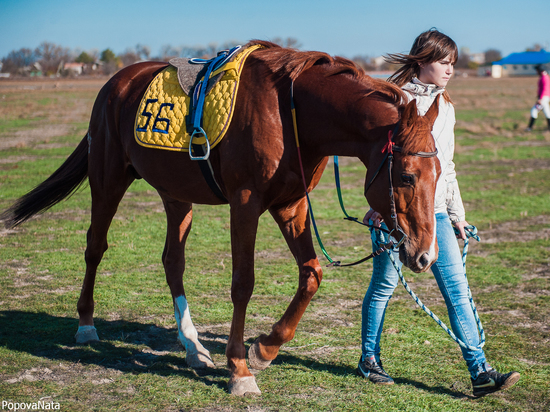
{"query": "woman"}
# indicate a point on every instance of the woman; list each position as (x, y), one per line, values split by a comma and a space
(424, 74)
(543, 98)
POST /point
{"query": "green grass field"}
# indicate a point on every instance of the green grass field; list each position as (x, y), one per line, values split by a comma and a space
(504, 175)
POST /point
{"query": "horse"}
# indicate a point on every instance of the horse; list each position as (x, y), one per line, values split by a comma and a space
(339, 110)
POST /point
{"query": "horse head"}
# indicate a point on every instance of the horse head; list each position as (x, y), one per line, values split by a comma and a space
(411, 171)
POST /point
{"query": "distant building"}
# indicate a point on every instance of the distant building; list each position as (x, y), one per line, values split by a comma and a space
(520, 64)
(379, 61)
(74, 68)
(478, 58)
(3, 75)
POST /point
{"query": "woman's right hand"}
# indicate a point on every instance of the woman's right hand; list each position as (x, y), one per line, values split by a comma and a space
(374, 216)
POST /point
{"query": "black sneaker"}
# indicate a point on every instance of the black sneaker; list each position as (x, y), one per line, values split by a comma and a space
(373, 371)
(492, 381)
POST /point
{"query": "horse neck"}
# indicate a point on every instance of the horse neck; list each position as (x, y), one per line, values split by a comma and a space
(338, 117)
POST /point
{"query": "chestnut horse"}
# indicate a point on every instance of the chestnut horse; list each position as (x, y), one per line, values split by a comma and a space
(340, 111)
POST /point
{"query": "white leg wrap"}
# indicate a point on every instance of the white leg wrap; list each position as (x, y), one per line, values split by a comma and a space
(197, 355)
(244, 386)
(86, 334)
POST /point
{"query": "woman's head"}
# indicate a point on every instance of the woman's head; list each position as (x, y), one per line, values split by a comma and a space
(432, 46)
(429, 47)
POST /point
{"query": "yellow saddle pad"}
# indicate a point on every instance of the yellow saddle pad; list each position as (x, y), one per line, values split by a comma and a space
(160, 119)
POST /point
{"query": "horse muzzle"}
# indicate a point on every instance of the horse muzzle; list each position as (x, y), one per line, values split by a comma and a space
(418, 260)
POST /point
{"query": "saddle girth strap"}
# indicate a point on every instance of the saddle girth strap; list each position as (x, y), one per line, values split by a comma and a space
(208, 173)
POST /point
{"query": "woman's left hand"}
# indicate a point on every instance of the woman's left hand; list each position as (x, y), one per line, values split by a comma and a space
(460, 226)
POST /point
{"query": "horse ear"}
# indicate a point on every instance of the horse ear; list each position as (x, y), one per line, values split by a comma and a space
(433, 111)
(410, 113)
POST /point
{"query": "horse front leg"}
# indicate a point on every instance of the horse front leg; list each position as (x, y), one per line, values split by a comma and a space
(179, 217)
(244, 226)
(293, 221)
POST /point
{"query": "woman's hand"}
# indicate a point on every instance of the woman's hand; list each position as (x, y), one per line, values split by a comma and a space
(374, 216)
(460, 226)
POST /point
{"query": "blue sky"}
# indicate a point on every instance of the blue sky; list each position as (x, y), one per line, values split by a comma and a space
(346, 28)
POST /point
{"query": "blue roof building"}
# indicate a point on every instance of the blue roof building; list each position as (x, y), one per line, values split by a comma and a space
(520, 64)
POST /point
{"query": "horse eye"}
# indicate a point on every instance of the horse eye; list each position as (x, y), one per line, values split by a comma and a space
(407, 179)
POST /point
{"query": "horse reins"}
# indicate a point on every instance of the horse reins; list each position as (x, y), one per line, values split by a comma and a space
(389, 148)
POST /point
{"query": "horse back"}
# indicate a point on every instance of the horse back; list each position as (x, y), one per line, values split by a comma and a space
(258, 151)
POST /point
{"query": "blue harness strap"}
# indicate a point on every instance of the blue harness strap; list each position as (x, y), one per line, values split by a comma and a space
(199, 94)
(201, 152)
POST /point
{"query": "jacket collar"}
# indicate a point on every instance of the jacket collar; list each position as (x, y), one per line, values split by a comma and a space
(415, 86)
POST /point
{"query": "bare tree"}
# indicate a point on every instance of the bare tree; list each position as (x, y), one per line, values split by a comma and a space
(365, 62)
(143, 51)
(211, 50)
(536, 47)
(463, 61)
(17, 60)
(51, 57)
(168, 52)
(94, 53)
(288, 42)
(201, 52)
(230, 44)
(492, 55)
(129, 57)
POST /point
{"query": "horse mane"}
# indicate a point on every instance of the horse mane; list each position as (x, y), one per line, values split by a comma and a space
(290, 63)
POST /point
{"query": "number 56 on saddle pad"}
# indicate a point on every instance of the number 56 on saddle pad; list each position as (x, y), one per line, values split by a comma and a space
(161, 118)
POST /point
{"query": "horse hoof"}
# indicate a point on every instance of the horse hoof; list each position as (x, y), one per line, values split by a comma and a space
(254, 359)
(244, 386)
(86, 334)
(199, 360)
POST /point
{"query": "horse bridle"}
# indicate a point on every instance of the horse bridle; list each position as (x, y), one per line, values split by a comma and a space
(389, 148)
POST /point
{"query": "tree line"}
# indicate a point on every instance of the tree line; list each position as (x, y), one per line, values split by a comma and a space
(50, 59)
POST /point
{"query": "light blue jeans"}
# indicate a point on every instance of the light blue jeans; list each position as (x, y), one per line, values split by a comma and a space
(448, 271)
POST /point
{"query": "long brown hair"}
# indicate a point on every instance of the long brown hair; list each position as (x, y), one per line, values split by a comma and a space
(430, 46)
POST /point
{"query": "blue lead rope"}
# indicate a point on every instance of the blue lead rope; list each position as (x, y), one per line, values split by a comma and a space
(471, 232)
(339, 191)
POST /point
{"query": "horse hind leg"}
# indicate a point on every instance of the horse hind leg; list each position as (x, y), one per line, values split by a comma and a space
(103, 212)
(109, 179)
(179, 216)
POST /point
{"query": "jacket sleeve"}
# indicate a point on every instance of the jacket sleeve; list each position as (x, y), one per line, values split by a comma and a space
(455, 207)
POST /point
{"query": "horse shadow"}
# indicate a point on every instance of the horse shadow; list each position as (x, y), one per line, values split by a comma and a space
(127, 346)
(139, 347)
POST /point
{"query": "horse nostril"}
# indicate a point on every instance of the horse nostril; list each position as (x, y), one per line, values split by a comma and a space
(423, 261)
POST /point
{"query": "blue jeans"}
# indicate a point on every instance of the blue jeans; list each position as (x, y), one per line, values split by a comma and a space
(448, 271)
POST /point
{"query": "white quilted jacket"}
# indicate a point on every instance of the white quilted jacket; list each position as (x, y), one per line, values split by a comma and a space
(447, 193)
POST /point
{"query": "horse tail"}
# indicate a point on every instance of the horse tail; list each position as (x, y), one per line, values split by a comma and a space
(60, 185)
